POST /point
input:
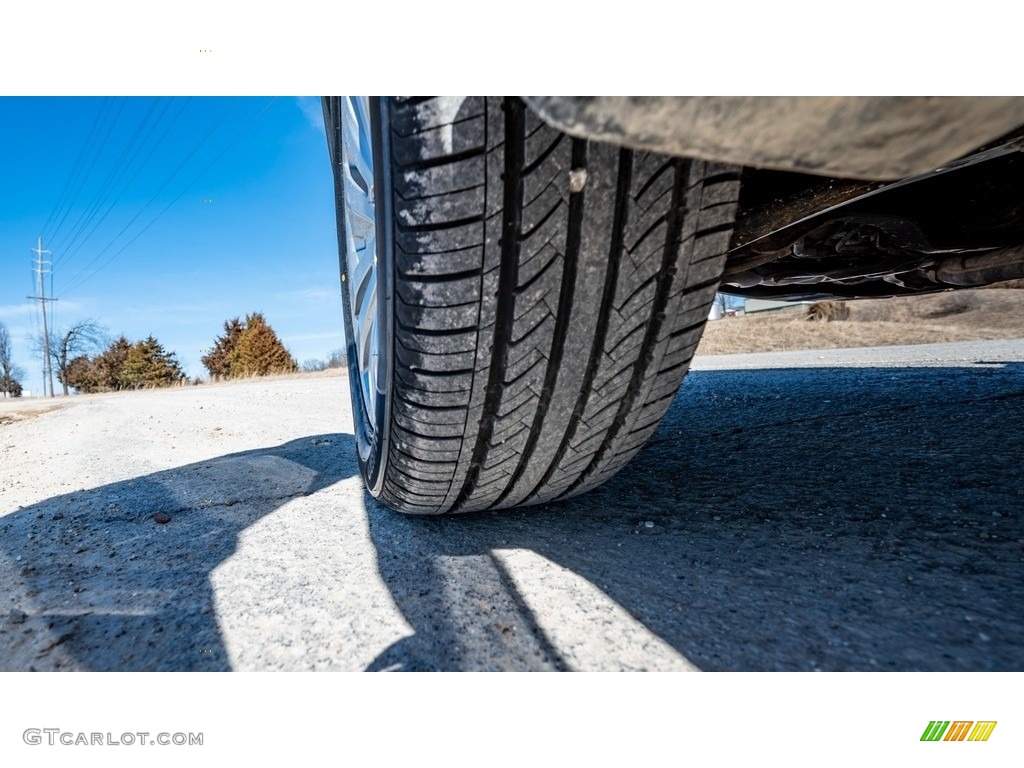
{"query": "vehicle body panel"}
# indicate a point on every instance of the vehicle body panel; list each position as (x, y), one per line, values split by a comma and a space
(856, 137)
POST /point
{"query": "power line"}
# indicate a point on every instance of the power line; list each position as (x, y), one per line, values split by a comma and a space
(170, 178)
(92, 165)
(127, 186)
(78, 283)
(76, 187)
(106, 189)
(104, 106)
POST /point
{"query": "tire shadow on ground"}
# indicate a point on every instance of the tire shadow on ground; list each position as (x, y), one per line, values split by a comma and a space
(108, 587)
(831, 518)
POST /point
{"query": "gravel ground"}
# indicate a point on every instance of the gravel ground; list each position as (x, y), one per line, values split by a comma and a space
(836, 510)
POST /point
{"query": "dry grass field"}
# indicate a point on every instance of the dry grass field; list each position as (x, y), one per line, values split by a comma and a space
(968, 315)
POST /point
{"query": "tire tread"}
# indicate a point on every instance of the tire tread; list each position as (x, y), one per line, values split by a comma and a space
(541, 331)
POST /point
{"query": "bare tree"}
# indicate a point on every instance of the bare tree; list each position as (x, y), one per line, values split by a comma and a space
(9, 372)
(80, 338)
(338, 359)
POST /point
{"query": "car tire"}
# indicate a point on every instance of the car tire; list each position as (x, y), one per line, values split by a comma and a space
(538, 297)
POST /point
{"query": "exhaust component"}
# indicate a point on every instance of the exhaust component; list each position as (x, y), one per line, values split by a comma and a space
(980, 269)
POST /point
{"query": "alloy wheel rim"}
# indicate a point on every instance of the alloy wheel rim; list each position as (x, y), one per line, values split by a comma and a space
(361, 245)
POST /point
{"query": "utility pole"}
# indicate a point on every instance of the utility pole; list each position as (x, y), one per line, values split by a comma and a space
(47, 371)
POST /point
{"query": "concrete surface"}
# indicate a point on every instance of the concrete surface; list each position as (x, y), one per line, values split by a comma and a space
(849, 509)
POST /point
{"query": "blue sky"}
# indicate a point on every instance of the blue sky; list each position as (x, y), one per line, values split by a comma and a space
(266, 242)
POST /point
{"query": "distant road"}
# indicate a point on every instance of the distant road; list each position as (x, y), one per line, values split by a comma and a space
(969, 352)
(835, 510)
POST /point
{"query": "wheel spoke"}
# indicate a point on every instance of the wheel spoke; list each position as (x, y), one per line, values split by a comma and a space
(361, 243)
